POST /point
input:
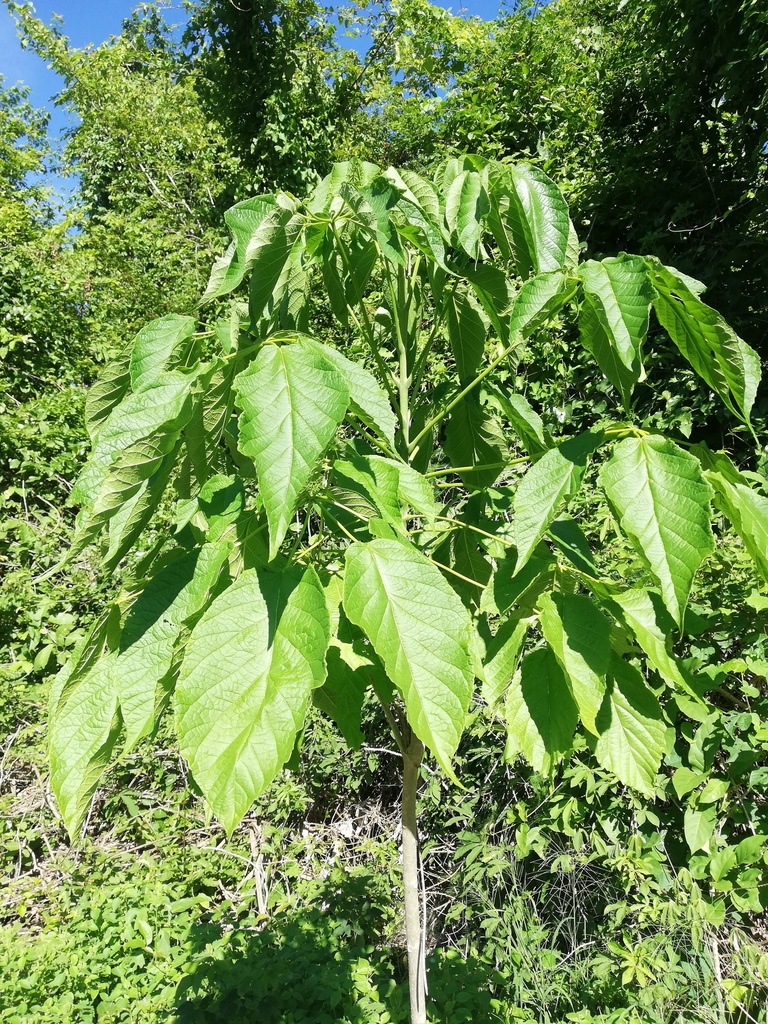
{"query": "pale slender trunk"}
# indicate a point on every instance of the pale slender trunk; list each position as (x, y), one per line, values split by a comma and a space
(414, 922)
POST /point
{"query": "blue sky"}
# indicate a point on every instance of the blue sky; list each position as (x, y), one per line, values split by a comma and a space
(91, 22)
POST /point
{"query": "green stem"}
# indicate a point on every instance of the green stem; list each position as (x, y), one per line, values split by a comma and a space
(462, 394)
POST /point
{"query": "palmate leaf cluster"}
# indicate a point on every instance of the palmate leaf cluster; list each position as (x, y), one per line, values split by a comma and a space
(313, 556)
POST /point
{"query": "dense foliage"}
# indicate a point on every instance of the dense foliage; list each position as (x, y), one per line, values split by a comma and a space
(553, 893)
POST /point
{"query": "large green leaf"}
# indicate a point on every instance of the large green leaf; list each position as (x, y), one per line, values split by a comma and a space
(355, 172)
(745, 507)
(162, 407)
(292, 399)
(420, 630)
(416, 190)
(246, 681)
(580, 638)
(502, 656)
(632, 732)
(545, 488)
(540, 711)
(466, 204)
(155, 345)
(613, 322)
(152, 628)
(466, 332)
(531, 221)
(714, 350)
(367, 400)
(541, 298)
(661, 501)
(82, 733)
(473, 438)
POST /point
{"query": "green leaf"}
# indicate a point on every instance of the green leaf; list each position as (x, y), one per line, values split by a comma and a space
(510, 588)
(546, 486)
(466, 204)
(128, 475)
(107, 393)
(466, 332)
(661, 501)
(644, 614)
(416, 190)
(746, 508)
(502, 656)
(420, 630)
(355, 172)
(473, 437)
(632, 733)
(152, 628)
(154, 347)
(539, 300)
(246, 681)
(568, 536)
(367, 400)
(292, 399)
(244, 221)
(540, 712)
(130, 520)
(714, 350)
(81, 736)
(377, 481)
(580, 638)
(699, 827)
(532, 222)
(162, 407)
(524, 420)
(268, 258)
(613, 322)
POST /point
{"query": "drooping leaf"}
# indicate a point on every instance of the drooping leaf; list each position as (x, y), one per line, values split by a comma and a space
(540, 712)
(539, 300)
(568, 536)
(152, 628)
(466, 332)
(420, 630)
(580, 638)
(474, 442)
(417, 190)
(154, 346)
(162, 407)
(246, 681)
(355, 172)
(127, 475)
(643, 612)
(661, 501)
(81, 736)
(502, 657)
(745, 507)
(524, 420)
(132, 517)
(613, 322)
(546, 486)
(108, 391)
(292, 399)
(632, 733)
(510, 588)
(367, 400)
(268, 257)
(466, 204)
(714, 350)
(532, 222)
(244, 221)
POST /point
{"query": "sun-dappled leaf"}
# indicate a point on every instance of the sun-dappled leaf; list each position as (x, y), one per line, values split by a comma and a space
(246, 681)
(420, 630)
(613, 321)
(546, 486)
(292, 399)
(155, 345)
(661, 501)
(632, 733)
(540, 712)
